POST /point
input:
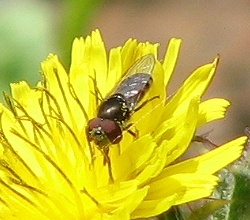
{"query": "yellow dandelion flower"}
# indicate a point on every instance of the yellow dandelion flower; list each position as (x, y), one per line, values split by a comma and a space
(51, 170)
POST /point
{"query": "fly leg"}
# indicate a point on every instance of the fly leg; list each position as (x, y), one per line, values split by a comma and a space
(146, 102)
(106, 160)
(132, 133)
(135, 133)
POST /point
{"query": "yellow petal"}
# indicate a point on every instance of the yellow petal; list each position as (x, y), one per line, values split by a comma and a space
(210, 162)
(24, 98)
(115, 70)
(155, 165)
(194, 86)
(132, 159)
(180, 138)
(170, 58)
(149, 208)
(211, 110)
(176, 189)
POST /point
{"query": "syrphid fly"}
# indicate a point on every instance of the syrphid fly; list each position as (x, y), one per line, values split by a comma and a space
(115, 111)
(117, 108)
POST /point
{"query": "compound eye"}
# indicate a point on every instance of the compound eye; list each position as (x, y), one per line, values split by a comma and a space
(104, 128)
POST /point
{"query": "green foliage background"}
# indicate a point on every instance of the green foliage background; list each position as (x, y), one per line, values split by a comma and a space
(30, 30)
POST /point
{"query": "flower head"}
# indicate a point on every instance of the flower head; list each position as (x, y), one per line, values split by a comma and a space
(50, 169)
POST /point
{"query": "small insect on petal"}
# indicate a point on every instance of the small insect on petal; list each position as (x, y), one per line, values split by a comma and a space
(115, 111)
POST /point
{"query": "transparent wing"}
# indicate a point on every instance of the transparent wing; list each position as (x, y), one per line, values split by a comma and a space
(144, 65)
(136, 80)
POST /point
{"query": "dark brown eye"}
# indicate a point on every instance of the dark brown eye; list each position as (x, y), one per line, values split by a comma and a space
(104, 131)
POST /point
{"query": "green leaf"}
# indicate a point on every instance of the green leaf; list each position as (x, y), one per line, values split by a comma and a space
(240, 206)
